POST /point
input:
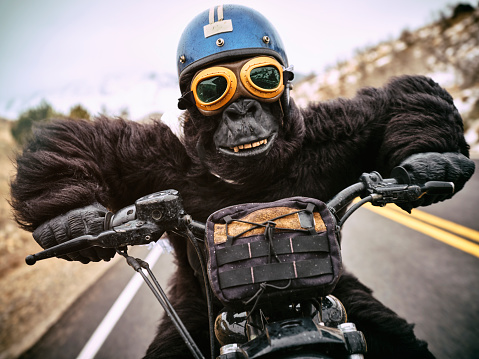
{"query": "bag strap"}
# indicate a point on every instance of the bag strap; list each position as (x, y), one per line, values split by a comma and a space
(274, 271)
(305, 217)
(300, 244)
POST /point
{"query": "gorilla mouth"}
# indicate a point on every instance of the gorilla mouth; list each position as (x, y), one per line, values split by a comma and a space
(249, 145)
(255, 148)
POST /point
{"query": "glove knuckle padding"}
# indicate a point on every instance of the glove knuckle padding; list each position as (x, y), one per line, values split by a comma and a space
(44, 235)
(86, 221)
(450, 166)
(432, 166)
(73, 224)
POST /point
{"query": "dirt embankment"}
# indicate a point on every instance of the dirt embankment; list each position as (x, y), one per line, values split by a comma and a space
(31, 298)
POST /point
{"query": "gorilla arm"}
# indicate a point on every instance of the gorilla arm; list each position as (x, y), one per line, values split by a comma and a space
(422, 118)
(381, 127)
(377, 130)
(70, 164)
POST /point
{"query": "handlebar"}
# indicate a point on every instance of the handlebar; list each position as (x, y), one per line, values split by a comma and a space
(390, 190)
(152, 215)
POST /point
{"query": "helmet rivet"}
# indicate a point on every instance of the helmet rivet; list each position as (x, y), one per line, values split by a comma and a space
(266, 39)
(182, 59)
(220, 42)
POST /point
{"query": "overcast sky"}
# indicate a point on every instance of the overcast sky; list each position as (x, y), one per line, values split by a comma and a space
(47, 43)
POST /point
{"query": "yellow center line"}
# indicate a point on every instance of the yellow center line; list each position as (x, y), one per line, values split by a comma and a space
(427, 229)
(441, 222)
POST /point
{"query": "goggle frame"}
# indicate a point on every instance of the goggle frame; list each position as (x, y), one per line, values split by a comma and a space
(247, 87)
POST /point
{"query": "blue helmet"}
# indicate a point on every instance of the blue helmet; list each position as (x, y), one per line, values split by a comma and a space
(224, 33)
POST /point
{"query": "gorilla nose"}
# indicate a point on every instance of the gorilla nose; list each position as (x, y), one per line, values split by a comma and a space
(241, 108)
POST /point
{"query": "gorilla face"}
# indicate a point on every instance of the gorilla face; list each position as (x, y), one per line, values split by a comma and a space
(248, 129)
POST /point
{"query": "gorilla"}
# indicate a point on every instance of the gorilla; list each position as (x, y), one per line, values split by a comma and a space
(244, 140)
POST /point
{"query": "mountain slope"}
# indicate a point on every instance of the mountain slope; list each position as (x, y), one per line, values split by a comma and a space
(447, 51)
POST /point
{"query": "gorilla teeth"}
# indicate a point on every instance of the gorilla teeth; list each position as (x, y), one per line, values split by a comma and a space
(249, 145)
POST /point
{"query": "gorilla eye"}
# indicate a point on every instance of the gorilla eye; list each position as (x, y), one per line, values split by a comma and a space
(211, 89)
(265, 77)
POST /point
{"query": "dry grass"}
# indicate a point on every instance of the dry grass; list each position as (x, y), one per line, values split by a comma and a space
(32, 298)
(13, 241)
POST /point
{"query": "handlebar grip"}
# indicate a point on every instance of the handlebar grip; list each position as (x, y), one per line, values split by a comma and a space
(438, 187)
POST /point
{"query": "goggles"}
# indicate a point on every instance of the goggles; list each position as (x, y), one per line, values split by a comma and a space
(213, 88)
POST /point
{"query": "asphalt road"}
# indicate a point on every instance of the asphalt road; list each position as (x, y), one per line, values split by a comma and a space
(426, 281)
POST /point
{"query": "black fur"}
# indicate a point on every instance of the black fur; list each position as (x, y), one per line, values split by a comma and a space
(319, 151)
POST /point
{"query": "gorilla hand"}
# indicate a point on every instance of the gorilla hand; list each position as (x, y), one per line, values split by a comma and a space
(433, 166)
(75, 223)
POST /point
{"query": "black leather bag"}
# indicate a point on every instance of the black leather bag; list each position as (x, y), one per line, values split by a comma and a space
(285, 250)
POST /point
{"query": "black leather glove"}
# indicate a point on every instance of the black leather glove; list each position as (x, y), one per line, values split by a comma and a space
(432, 166)
(78, 222)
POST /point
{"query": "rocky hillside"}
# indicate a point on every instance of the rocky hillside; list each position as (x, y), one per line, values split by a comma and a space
(447, 51)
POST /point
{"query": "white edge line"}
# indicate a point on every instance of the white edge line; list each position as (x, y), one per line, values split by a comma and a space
(114, 314)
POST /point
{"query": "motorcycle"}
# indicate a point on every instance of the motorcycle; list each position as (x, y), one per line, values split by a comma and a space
(284, 314)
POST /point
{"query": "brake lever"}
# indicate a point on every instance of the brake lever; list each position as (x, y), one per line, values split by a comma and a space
(438, 187)
(129, 234)
(73, 245)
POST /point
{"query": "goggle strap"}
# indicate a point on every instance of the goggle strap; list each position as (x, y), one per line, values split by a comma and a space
(287, 76)
(186, 101)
